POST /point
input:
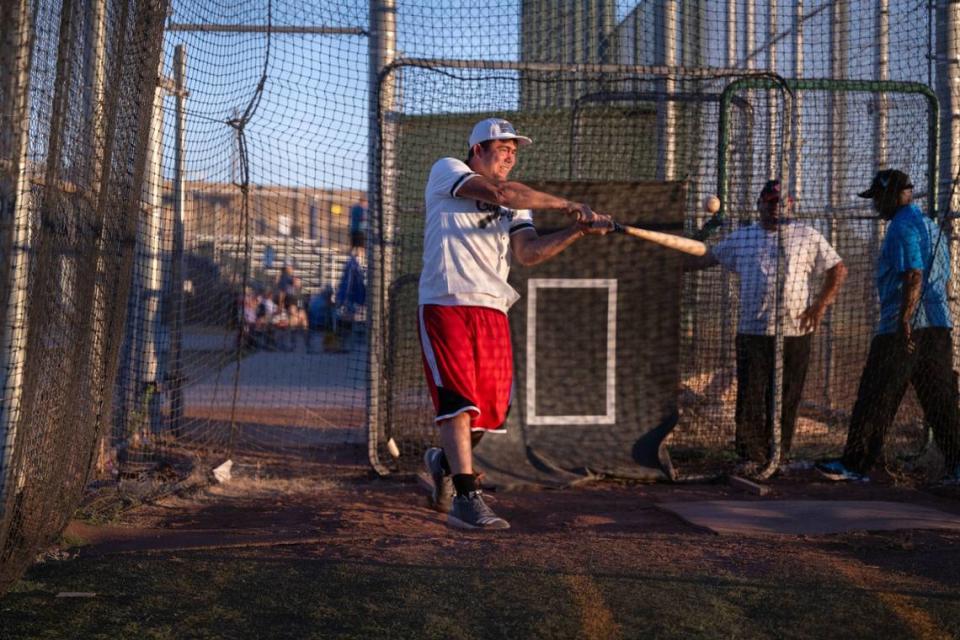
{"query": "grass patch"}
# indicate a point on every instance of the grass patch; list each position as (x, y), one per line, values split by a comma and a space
(206, 595)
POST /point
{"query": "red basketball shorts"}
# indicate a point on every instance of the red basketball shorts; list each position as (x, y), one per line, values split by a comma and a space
(468, 362)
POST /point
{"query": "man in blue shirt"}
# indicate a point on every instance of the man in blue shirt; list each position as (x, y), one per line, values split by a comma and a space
(912, 344)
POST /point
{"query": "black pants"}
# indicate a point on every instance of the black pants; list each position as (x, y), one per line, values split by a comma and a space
(755, 371)
(889, 368)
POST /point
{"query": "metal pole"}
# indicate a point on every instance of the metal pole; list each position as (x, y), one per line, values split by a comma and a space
(749, 63)
(880, 152)
(773, 168)
(782, 168)
(14, 232)
(731, 33)
(667, 109)
(98, 72)
(271, 29)
(776, 398)
(96, 103)
(141, 354)
(177, 267)
(576, 49)
(727, 329)
(882, 63)
(796, 137)
(383, 27)
(948, 84)
(550, 67)
(836, 162)
(152, 281)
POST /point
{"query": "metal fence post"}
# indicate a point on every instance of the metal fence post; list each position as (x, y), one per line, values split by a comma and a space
(177, 266)
(15, 240)
(382, 204)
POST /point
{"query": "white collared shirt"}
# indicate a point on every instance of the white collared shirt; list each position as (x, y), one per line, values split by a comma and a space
(466, 243)
(751, 252)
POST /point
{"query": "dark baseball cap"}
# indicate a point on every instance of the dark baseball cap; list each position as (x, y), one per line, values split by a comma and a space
(770, 191)
(887, 181)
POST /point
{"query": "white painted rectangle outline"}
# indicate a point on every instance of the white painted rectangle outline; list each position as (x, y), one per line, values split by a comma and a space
(610, 284)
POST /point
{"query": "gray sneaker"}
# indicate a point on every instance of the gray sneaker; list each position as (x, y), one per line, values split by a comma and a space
(471, 512)
(438, 483)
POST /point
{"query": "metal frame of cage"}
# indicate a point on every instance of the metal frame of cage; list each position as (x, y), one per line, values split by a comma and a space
(795, 88)
(383, 198)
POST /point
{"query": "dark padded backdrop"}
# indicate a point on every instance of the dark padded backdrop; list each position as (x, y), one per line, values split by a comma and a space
(571, 419)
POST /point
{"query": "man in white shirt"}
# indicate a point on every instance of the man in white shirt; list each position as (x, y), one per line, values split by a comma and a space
(477, 223)
(752, 253)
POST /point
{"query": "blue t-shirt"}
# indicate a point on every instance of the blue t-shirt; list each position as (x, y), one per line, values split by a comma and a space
(910, 243)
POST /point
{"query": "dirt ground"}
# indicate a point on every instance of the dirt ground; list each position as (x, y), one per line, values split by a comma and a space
(626, 567)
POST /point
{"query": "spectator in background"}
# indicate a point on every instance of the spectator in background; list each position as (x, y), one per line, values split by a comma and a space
(358, 223)
(285, 284)
(321, 310)
(351, 294)
(290, 301)
(248, 318)
(263, 329)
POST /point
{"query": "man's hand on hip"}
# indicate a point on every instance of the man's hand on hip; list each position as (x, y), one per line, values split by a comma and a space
(811, 318)
(905, 334)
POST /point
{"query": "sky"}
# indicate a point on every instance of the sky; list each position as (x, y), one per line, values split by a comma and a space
(310, 126)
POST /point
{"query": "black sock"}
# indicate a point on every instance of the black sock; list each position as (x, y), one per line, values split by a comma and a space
(443, 463)
(464, 483)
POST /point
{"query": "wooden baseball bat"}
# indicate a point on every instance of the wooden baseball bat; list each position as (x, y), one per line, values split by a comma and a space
(678, 243)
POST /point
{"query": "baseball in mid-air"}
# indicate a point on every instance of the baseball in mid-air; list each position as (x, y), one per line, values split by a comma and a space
(711, 204)
(393, 448)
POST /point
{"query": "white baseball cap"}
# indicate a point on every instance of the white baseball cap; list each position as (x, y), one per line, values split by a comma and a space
(496, 129)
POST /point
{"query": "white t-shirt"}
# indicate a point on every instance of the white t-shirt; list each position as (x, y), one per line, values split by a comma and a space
(751, 252)
(466, 243)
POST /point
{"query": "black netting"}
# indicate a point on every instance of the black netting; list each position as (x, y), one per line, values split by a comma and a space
(77, 83)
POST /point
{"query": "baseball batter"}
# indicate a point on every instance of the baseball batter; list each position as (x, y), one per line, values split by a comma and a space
(477, 222)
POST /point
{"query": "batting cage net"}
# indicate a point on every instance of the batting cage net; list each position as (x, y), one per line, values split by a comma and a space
(75, 118)
(213, 233)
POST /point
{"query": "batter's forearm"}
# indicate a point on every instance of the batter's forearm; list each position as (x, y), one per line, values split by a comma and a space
(513, 195)
(543, 248)
(517, 195)
(912, 286)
